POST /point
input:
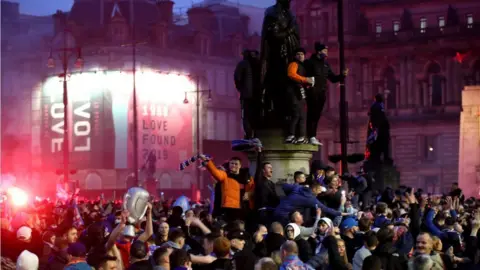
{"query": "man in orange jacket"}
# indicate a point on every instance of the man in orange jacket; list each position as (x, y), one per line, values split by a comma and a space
(298, 82)
(237, 188)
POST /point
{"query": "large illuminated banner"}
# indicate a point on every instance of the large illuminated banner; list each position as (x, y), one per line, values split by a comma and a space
(165, 123)
(100, 115)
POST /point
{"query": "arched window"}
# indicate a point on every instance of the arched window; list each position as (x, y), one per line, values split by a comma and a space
(165, 181)
(476, 73)
(316, 22)
(390, 84)
(435, 82)
(93, 181)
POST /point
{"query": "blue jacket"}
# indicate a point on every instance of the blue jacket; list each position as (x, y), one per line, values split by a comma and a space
(380, 221)
(431, 226)
(299, 198)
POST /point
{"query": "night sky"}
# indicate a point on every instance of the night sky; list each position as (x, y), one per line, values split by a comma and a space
(46, 7)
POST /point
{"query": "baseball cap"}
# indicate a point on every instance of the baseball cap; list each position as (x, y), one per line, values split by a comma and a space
(77, 250)
(236, 234)
(348, 223)
(24, 233)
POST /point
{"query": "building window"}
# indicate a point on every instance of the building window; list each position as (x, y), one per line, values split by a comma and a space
(315, 13)
(210, 125)
(435, 84)
(469, 21)
(390, 86)
(431, 184)
(428, 146)
(378, 28)
(220, 82)
(204, 46)
(476, 73)
(315, 18)
(441, 22)
(232, 126)
(221, 126)
(423, 25)
(396, 27)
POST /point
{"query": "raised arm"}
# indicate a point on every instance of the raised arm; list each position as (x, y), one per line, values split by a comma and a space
(219, 175)
(327, 210)
(332, 77)
(430, 225)
(117, 231)
(149, 226)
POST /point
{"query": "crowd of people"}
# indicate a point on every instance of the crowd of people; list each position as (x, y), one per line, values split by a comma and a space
(320, 221)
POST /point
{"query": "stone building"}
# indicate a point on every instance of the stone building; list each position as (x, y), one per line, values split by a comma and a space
(105, 31)
(420, 54)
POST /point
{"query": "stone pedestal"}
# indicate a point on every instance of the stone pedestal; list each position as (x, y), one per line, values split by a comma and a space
(469, 148)
(286, 159)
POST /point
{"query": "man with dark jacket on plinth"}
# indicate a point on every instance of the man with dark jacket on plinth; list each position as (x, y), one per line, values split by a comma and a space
(247, 82)
(319, 68)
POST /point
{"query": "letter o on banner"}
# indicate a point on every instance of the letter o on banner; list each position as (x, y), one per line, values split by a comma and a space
(81, 128)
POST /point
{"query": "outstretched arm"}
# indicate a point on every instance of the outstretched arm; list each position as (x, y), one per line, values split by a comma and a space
(219, 175)
(332, 77)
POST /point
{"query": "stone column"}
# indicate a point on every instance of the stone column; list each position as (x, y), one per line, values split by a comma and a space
(365, 81)
(412, 90)
(444, 91)
(426, 94)
(399, 96)
(449, 87)
(469, 148)
(403, 87)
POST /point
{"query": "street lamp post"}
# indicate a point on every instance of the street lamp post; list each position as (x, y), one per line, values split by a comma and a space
(65, 52)
(198, 92)
(135, 119)
(343, 96)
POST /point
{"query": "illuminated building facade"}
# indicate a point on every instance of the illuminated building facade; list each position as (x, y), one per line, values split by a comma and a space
(170, 57)
(420, 54)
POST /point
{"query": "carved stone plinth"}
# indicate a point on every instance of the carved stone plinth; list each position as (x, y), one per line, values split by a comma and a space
(285, 158)
(469, 148)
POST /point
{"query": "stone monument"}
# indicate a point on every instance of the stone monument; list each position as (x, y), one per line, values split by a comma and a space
(280, 39)
(285, 158)
(469, 148)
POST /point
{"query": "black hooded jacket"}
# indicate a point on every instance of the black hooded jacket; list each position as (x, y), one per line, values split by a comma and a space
(390, 257)
(320, 69)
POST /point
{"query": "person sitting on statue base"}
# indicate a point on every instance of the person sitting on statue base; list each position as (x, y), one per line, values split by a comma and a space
(296, 96)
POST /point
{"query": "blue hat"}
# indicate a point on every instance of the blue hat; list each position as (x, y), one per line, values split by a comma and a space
(78, 266)
(348, 223)
(77, 249)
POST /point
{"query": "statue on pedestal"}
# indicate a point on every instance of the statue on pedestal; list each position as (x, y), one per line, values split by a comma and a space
(378, 137)
(280, 40)
(279, 45)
